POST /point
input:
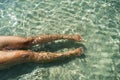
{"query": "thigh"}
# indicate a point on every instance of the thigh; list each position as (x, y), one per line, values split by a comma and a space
(10, 58)
(11, 42)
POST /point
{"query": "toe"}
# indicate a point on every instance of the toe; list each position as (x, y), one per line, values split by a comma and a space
(78, 38)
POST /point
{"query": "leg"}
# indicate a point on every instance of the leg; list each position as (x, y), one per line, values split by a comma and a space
(48, 38)
(11, 58)
(12, 42)
(44, 57)
(16, 42)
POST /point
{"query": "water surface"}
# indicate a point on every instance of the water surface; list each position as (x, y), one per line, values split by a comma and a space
(98, 21)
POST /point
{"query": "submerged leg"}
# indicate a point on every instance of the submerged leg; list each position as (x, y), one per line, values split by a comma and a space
(48, 38)
(16, 42)
(10, 58)
(44, 57)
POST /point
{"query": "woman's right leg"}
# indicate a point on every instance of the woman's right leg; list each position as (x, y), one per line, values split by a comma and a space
(43, 57)
(11, 58)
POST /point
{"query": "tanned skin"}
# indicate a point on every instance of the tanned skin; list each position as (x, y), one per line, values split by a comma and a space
(10, 55)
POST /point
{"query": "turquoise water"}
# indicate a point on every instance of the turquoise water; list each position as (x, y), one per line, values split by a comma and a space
(98, 21)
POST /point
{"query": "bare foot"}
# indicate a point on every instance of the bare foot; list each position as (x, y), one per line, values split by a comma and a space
(77, 38)
(76, 52)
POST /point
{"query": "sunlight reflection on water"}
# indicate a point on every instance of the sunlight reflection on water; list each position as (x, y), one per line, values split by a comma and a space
(97, 21)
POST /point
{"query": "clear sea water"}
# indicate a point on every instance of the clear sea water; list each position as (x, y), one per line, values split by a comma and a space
(98, 21)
